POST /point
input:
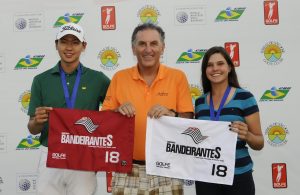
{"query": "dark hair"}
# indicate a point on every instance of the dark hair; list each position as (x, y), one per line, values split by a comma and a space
(232, 76)
(146, 26)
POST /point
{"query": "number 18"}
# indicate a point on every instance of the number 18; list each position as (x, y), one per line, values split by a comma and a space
(219, 170)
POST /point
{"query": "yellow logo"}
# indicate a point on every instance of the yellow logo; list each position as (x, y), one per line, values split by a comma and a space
(24, 99)
(273, 53)
(277, 133)
(109, 57)
(149, 14)
(196, 92)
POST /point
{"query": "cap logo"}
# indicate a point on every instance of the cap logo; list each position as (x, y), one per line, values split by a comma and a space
(70, 28)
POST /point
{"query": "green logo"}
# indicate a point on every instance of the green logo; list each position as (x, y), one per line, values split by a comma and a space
(191, 56)
(67, 18)
(29, 62)
(29, 143)
(230, 14)
(275, 94)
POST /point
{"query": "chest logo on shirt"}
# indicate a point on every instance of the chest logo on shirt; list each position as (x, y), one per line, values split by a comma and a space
(195, 134)
(162, 94)
(87, 123)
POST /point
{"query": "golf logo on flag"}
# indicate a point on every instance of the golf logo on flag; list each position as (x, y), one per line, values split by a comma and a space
(87, 123)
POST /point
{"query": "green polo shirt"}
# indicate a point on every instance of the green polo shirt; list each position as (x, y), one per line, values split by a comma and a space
(47, 90)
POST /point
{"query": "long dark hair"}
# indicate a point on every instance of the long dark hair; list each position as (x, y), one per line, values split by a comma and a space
(232, 76)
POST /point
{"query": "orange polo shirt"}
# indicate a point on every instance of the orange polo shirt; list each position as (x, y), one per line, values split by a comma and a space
(170, 89)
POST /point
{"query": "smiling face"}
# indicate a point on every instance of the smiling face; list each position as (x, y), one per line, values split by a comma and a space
(217, 69)
(148, 47)
(69, 49)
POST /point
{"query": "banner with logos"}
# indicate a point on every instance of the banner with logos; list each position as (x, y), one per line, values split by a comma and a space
(260, 37)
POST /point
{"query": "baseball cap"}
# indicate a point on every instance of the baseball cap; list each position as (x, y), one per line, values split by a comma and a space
(71, 29)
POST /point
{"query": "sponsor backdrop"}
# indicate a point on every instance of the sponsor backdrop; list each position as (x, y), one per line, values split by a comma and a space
(260, 36)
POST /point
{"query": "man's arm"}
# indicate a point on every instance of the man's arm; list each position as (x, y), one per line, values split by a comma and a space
(36, 123)
(186, 115)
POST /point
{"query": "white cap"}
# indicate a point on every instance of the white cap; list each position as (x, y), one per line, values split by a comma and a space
(71, 29)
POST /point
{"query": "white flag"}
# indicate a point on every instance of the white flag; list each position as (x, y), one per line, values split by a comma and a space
(191, 149)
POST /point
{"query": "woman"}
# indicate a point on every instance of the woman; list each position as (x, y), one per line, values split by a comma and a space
(225, 100)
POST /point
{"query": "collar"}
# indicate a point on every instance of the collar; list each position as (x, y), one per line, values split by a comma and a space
(160, 75)
(55, 69)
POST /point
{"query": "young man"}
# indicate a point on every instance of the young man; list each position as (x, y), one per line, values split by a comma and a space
(147, 89)
(68, 84)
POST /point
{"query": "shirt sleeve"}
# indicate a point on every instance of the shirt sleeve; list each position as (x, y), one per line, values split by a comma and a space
(250, 105)
(35, 97)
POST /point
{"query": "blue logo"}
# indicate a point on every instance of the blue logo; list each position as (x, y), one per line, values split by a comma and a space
(24, 184)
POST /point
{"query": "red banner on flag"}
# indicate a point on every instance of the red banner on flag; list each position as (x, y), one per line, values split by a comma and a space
(90, 140)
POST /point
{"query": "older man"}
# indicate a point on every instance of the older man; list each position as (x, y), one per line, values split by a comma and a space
(147, 89)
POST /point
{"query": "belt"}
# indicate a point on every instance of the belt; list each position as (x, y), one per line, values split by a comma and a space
(139, 162)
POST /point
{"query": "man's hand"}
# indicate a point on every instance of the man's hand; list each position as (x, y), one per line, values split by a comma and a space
(157, 111)
(36, 122)
(42, 115)
(126, 109)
